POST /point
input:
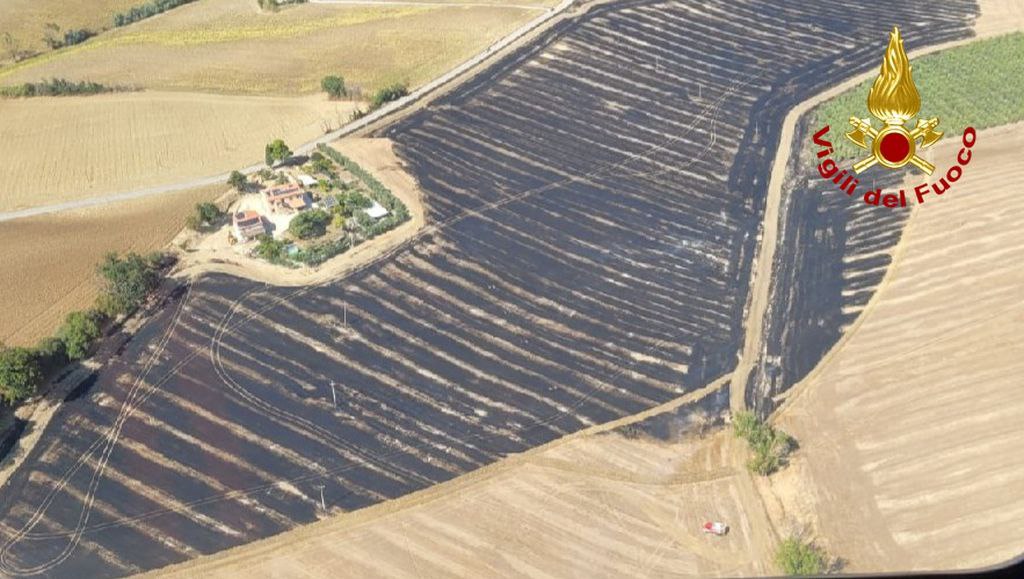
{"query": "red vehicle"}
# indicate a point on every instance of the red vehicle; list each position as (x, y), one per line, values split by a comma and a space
(716, 528)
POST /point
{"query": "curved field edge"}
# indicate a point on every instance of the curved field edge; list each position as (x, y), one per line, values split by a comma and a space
(911, 418)
(834, 250)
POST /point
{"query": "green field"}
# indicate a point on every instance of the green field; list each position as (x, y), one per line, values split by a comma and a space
(977, 85)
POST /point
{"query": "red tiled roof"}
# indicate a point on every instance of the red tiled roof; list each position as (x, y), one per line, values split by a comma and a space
(279, 193)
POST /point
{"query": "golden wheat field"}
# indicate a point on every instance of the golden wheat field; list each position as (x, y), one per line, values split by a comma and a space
(229, 46)
(47, 264)
(66, 148)
(25, 20)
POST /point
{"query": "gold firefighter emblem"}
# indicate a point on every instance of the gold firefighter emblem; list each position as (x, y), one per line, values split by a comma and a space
(894, 100)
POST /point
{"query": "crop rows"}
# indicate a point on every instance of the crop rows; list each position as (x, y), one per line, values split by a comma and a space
(595, 200)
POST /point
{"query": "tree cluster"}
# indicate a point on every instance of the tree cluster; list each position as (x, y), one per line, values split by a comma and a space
(127, 282)
(55, 87)
(53, 37)
(143, 11)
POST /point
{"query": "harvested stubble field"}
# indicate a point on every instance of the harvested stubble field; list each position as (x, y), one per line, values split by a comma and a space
(47, 265)
(596, 506)
(910, 429)
(26, 20)
(67, 148)
(592, 214)
(229, 46)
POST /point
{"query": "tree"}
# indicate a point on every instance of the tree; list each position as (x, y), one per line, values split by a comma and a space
(20, 375)
(238, 180)
(128, 281)
(334, 86)
(321, 164)
(309, 224)
(796, 557)
(277, 151)
(208, 212)
(79, 331)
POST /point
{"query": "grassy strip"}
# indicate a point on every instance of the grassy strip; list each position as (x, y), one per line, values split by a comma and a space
(977, 85)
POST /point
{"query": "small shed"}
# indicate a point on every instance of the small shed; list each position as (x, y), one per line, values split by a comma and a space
(308, 181)
(376, 211)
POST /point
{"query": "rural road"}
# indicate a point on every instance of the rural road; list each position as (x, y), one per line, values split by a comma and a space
(414, 97)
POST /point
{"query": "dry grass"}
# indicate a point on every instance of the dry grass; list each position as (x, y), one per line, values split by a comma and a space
(60, 149)
(910, 431)
(228, 46)
(47, 264)
(25, 20)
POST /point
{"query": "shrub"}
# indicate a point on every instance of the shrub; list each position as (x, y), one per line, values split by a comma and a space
(334, 86)
(770, 445)
(128, 281)
(77, 334)
(310, 224)
(321, 164)
(271, 249)
(387, 94)
(73, 37)
(795, 557)
(20, 374)
(51, 354)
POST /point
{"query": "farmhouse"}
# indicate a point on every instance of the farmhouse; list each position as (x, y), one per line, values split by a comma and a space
(247, 225)
(286, 198)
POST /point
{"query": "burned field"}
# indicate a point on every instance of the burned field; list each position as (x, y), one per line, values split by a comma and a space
(594, 204)
(834, 251)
